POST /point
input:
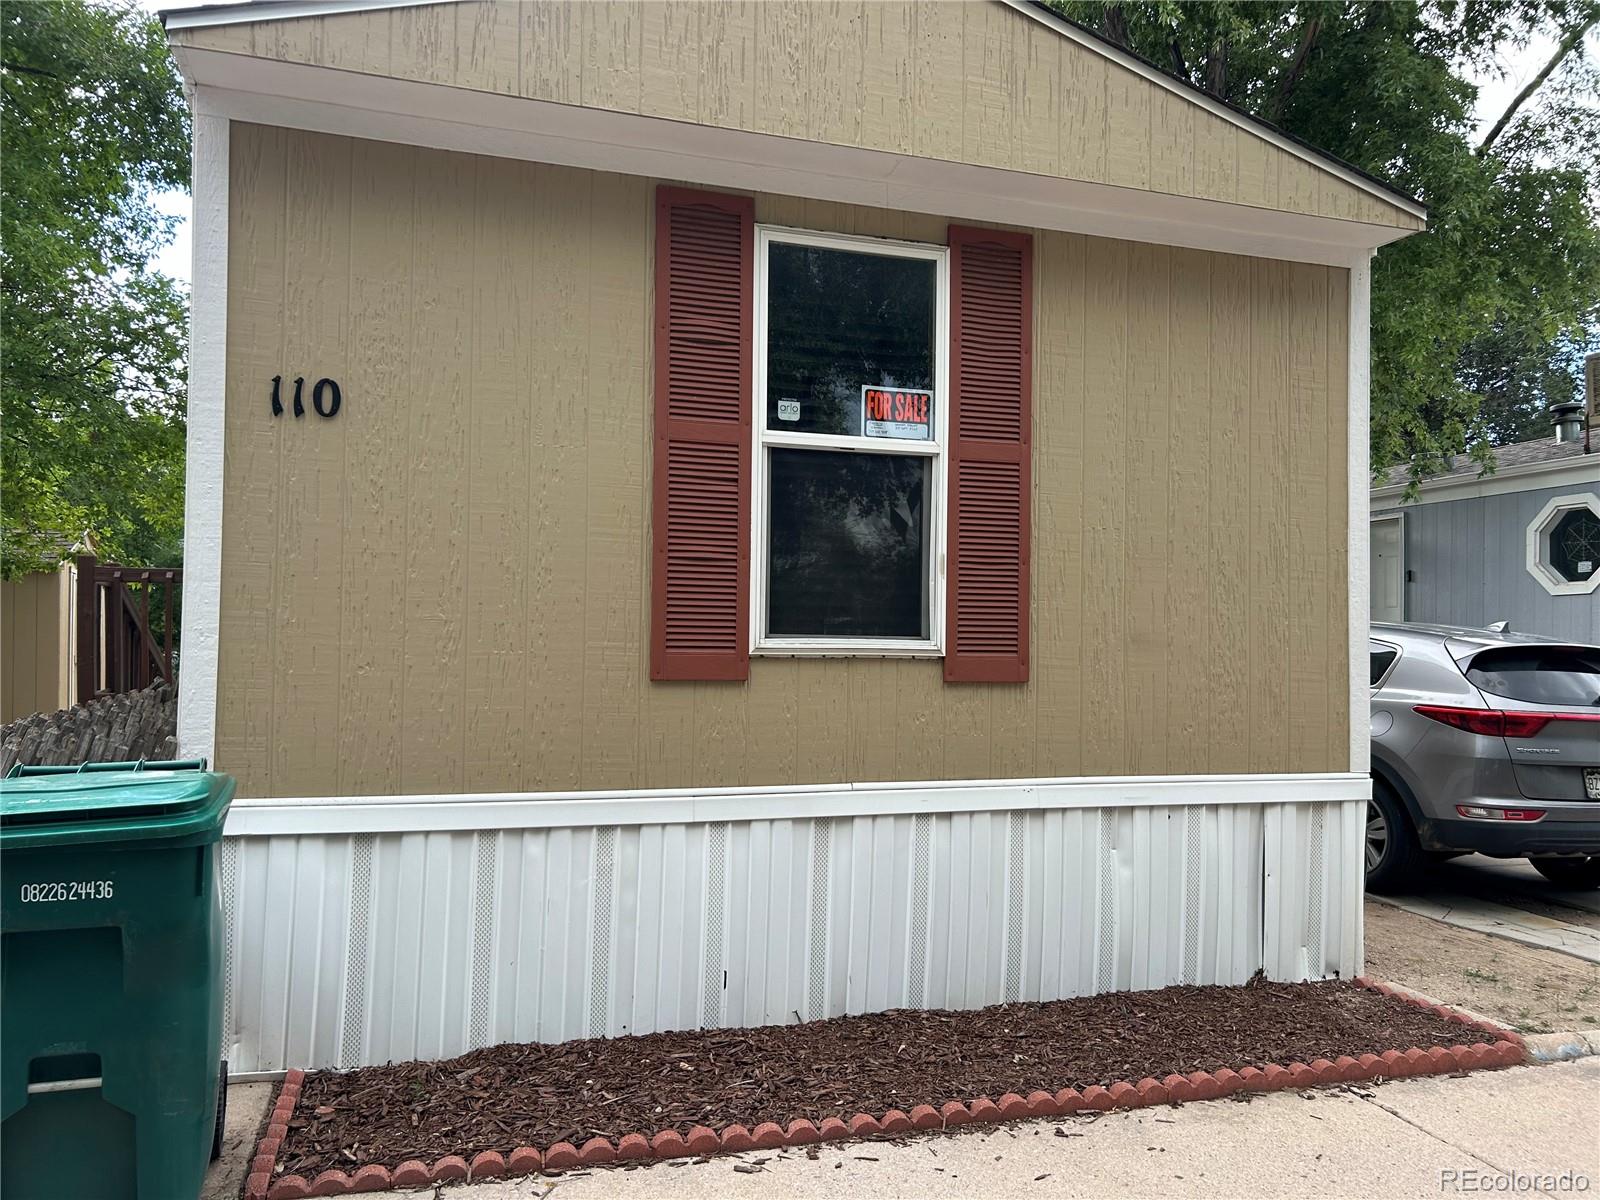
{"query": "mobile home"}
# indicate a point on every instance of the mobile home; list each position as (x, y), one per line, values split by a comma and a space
(729, 513)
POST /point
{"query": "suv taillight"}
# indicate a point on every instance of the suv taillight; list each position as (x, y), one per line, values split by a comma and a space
(1492, 722)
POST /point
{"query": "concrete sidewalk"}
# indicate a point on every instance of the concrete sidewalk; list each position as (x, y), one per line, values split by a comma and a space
(1400, 1139)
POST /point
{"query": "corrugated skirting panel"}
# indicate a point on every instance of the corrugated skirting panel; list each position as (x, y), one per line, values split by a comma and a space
(350, 948)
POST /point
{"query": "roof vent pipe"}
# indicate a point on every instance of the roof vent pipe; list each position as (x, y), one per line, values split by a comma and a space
(1568, 420)
(1591, 392)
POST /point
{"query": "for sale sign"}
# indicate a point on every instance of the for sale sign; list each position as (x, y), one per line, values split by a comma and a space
(905, 413)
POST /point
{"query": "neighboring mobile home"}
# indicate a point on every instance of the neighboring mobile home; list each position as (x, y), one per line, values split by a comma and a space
(634, 448)
(1521, 545)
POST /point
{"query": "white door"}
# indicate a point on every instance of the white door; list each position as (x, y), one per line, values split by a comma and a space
(1388, 570)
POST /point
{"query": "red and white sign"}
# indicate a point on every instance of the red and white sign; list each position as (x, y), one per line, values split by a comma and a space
(904, 413)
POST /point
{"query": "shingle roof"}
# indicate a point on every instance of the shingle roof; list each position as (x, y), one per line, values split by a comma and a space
(1518, 454)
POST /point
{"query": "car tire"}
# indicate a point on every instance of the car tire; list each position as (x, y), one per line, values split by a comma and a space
(1392, 855)
(1569, 872)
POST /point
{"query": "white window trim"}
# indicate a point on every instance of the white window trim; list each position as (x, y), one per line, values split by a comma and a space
(938, 450)
(1539, 530)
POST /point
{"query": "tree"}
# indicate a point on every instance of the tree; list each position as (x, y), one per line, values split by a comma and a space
(92, 339)
(1476, 323)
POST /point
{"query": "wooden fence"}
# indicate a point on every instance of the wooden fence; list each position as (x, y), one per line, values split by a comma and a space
(127, 626)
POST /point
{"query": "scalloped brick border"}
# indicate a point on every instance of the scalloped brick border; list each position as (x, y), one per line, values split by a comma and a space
(1508, 1050)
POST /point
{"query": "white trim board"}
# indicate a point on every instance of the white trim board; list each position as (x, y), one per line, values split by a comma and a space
(202, 498)
(249, 11)
(1562, 472)
(1358, 563)
(318, 815)
(326, 100)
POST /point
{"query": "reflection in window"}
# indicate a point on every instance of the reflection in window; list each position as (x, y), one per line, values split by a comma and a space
(848, 545)
(837, 321)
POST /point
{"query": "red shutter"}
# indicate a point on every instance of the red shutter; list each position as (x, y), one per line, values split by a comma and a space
(991, 373)
(700, 594)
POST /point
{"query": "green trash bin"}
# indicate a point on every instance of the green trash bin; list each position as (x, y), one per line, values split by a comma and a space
(111, 1083)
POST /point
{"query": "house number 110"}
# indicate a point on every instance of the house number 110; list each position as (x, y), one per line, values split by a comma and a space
(325, 397)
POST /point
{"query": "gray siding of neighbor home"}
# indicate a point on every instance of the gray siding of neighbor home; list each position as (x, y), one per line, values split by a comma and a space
(1467, 565)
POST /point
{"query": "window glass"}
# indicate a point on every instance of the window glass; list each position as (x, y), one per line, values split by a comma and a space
(1575, 545)
(838, 321)
(848, 544)
(1539, 675)
(1382, 658)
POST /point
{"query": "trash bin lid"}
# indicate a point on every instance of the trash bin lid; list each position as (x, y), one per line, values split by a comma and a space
(111, 801)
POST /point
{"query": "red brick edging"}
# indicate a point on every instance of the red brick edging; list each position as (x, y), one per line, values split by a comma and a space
(1508, 1050)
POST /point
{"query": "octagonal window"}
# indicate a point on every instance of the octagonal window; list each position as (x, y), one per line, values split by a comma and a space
(1575, 545)
(1564, 545)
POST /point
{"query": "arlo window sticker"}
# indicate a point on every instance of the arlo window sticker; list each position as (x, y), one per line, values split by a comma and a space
(788, 410)
(902, 413)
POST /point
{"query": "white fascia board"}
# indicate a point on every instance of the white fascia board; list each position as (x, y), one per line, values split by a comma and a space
(1194, 96)
(250, 11)
(321, 815)
(325, 100)
(1562, 472)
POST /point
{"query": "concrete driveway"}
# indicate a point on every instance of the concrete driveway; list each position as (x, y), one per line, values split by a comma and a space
(1507, 898)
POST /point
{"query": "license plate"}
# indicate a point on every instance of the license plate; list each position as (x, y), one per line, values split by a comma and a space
(1591, 782)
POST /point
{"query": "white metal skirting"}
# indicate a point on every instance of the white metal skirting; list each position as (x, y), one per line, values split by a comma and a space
(352, 943)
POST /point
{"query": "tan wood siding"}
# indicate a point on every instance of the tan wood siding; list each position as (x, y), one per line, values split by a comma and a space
(971, 82)
(37, 656)
(445, 587)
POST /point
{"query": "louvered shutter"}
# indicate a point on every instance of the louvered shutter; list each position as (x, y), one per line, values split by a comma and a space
(991, 374)
(699, 615)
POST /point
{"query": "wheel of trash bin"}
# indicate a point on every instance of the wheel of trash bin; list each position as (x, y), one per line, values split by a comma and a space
(222, 1112)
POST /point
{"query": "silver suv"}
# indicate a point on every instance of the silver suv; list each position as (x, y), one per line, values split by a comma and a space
(1486, 742)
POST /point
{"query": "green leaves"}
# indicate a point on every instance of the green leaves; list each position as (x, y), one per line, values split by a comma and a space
(1478, 323)
(92, 341)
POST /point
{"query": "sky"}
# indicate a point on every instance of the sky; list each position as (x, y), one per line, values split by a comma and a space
(1496, 88)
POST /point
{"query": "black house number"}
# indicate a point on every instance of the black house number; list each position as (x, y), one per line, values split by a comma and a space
(325, 397)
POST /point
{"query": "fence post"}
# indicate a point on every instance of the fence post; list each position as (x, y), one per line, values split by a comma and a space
(88, 629)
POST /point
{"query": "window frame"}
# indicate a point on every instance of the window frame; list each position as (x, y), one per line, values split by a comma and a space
(936, 450)
(1540, 530)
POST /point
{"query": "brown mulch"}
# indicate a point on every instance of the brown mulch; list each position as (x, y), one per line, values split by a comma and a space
(535, 1095)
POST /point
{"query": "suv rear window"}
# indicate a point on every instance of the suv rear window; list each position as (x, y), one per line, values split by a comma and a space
(1539, 674)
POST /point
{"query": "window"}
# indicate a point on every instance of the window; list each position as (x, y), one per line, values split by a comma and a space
(1564, 545)
(1539, 674)
(1575, 545)
(1380, 659)
(850, 399)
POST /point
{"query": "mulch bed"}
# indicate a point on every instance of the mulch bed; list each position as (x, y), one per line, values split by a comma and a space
(540, 1095)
